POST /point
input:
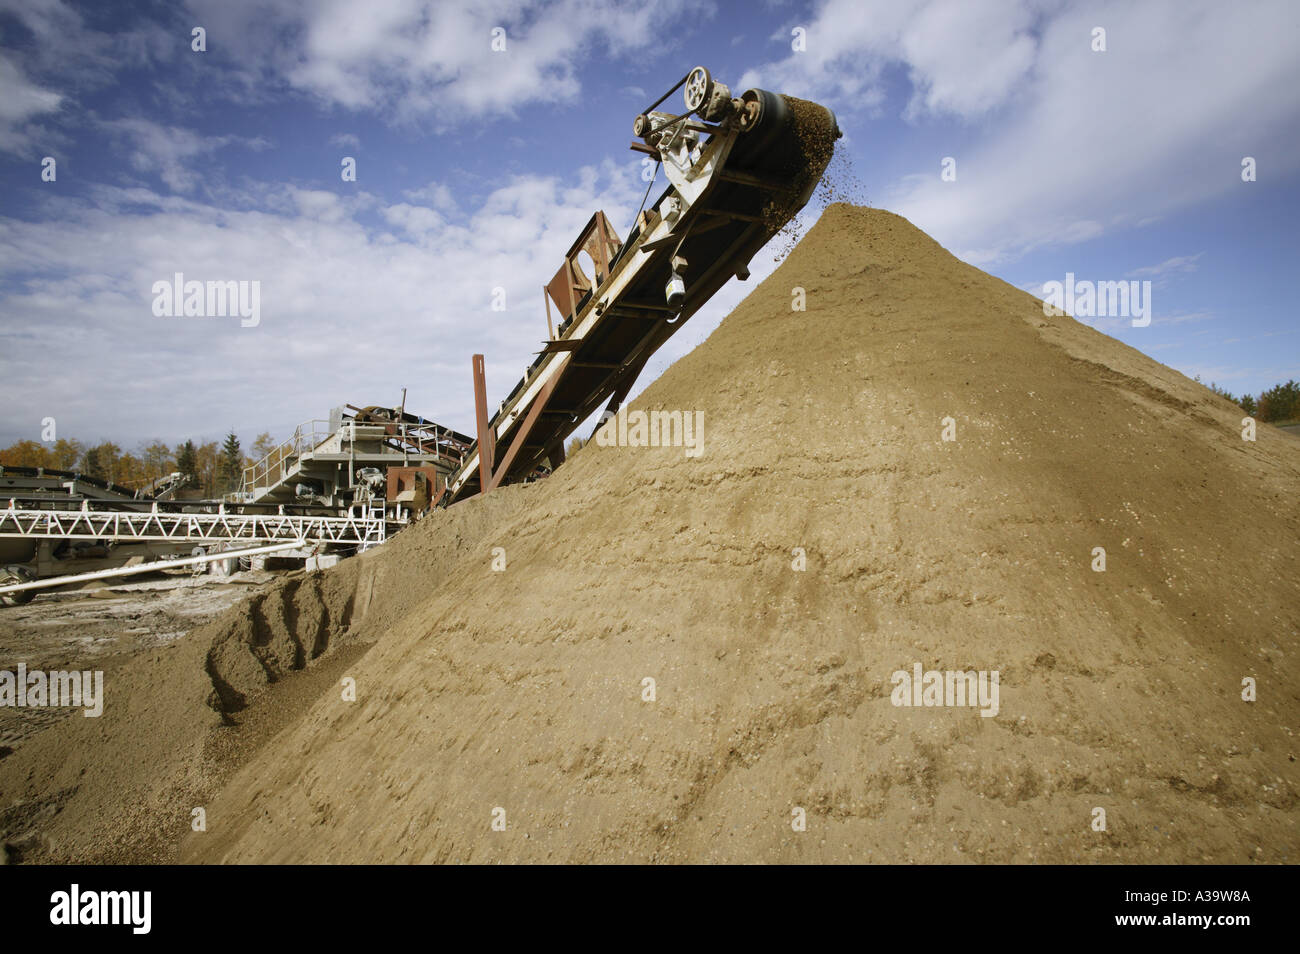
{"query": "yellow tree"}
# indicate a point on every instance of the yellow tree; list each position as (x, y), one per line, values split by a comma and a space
(26, 454)
(109, 455)
(67, 454)
(207, 457)
(157, 458)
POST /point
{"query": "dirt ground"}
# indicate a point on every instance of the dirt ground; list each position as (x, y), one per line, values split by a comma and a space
(827, 537)
(103, 625)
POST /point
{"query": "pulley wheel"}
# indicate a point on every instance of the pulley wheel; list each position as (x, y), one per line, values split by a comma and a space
(699, 87)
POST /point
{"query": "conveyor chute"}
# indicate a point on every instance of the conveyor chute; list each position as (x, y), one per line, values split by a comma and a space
(739, 168)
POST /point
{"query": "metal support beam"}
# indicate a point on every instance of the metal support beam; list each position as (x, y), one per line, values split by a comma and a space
(618, 326)
(486, 445)
(563, 344)
(766, 183)
(151, 567)
(521, 435)
(124, 526)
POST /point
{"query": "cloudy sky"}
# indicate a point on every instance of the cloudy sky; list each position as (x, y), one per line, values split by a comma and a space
(476, 168)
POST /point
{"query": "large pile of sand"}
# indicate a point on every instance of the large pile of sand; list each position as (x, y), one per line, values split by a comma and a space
(121, 788)
(522, 690)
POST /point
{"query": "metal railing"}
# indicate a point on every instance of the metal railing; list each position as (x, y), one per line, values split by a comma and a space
(367, 530)
(276, 465)
(413, 439)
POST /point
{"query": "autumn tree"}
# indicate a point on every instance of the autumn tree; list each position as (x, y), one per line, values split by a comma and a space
(157, 459)
(208, 457)
(263, 446)
(67, 454)
(131, 471)
(108, 456)
(26, 454)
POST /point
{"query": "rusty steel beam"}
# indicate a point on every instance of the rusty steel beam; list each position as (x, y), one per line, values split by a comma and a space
(525, 428)
(612, 334)
(485, 443)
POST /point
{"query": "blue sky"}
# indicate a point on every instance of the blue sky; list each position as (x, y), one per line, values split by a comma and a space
(476, 168)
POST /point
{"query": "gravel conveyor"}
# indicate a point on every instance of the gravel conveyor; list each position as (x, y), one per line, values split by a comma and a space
(738, 168)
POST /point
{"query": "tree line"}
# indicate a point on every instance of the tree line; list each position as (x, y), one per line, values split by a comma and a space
(1278, 405)
(215, 468)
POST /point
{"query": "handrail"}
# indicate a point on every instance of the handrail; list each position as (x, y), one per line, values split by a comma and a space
(307, 436)
(419, 439)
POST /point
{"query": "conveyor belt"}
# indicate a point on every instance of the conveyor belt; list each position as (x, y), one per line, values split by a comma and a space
(759, 175)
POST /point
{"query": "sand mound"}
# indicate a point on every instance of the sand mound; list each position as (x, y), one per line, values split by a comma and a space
(120, 788)
(522, 690)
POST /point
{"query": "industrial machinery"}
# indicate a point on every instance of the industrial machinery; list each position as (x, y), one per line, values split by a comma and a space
(360, 456)
(738, 169)
(49, 488)
(335, 487)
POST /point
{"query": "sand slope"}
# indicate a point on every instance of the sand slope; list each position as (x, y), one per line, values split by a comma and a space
(522, 689)
(179, 719)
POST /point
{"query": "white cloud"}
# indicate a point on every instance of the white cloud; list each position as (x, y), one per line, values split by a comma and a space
(435, 194)
(20, 102)
(963, 58)
(1179, 263)
(349, 312)
(418, 58)
(345, 141)
(967, 58)
(320, 206)
(415, 220)
(168, 150)
(82, 56)
(1065, 144)
(23, 99)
